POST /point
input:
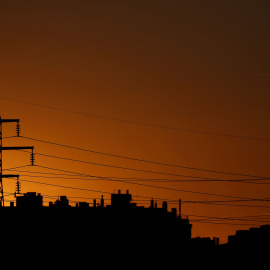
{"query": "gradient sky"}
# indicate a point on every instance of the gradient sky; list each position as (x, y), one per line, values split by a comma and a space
(194, 65)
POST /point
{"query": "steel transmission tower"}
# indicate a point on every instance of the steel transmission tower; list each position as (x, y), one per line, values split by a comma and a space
(10, 148)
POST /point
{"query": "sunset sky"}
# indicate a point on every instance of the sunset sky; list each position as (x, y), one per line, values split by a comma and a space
(178, 82)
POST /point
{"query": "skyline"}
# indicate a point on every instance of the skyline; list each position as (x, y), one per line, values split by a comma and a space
(187, 65)
(223, 199)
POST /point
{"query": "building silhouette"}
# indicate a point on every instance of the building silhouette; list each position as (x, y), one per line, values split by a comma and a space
(252, 239)
(29, 200)
(120, 225)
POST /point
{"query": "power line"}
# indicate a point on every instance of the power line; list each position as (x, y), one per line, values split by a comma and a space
(224, 201)
(223, 204)
(77, 178)
(151, 186)
(118, 167)
(127, 182)
(142, 160)
(82, 189)
(17, 167)
(254, 216)
(225, 223)
(241, 218)
(230, 204)
(61, 186)
(206, 202)
(144, 179)
(72, 177)
(225, 218)
(159, 199)
(136, 122)
(220, 220)
(247, 181)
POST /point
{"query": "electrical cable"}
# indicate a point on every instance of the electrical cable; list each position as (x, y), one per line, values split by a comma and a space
(159, 199)
(141, 160)
(137, 123)
(151, 186)
(72, 177)
(147, 171)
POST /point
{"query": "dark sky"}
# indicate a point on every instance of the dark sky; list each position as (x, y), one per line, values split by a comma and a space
(194, 65)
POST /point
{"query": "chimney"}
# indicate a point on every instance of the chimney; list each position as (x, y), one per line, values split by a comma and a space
(102, 201)
(127, 191)
(180, 208)
(152, 203)
(119, 191)
(95, 203)
(164, 206)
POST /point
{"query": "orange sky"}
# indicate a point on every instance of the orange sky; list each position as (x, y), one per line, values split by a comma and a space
(196, 65)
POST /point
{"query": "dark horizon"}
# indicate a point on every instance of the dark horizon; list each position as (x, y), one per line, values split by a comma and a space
(122, 219)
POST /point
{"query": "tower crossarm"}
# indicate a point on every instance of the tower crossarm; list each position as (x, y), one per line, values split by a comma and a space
(10, 175)
(9, 120)
(17, 147)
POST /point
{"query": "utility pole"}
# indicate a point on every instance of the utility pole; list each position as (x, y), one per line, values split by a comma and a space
(10, 148)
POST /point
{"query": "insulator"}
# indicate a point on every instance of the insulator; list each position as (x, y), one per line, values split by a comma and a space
(18, 130)
(32, 159)
(18, 187)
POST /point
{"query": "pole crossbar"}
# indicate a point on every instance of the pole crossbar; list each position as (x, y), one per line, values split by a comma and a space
(17, 147)
(9, 120)
(10, 175)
